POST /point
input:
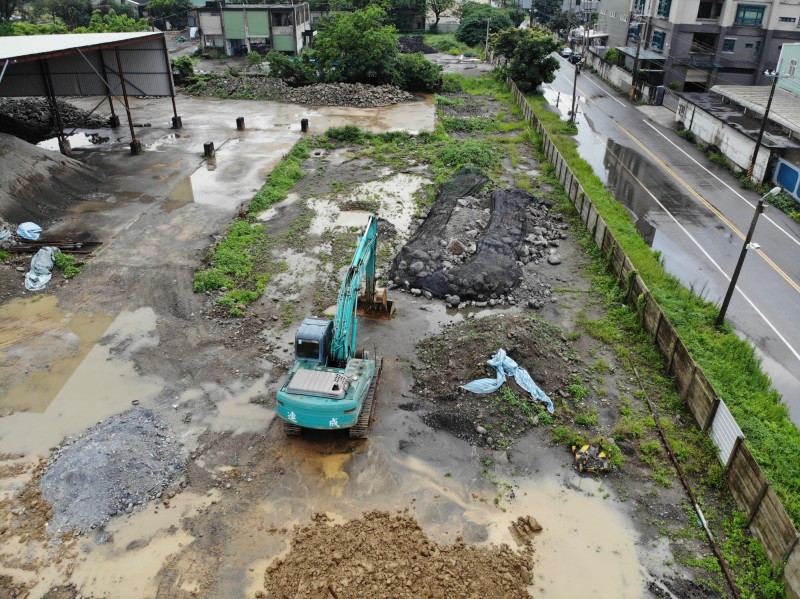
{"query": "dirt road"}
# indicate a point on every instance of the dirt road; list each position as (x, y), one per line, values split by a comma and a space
(253, 513)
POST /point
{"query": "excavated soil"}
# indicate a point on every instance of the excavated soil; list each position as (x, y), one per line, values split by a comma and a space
(385, 555)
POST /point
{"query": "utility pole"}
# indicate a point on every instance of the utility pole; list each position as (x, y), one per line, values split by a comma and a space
(775, 75)
(574, 91)
(486, 51)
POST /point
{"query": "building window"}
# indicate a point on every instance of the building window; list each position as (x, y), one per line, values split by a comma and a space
(747, 14)
(757, 47)
(792, 67)
(613, 14)
(787, 19)
(709, 10)
(658, 40)
(703, 43)
(663, 8)
(634, 31)
(623, 17)
(728, 44)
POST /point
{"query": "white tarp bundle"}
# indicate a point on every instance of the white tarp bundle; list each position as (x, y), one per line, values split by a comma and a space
(41, 266)
(505, 366)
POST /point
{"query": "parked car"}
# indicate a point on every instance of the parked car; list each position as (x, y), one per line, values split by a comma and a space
(565, 52)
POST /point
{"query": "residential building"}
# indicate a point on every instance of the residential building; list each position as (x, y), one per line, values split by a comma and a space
(237, 28)
(702, 43)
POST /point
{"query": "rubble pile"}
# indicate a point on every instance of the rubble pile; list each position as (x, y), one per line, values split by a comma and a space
(260, 87)
(32, 120)
(473, 246)
(411, 44)
(114, 468)
(348, 94)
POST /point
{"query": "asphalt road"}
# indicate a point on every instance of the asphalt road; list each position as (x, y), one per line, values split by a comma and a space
(697, 215)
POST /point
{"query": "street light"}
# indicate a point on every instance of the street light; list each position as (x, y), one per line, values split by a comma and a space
(747, 245)
(775, 76)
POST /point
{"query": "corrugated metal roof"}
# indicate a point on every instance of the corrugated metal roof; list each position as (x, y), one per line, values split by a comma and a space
(81, 64)
(784, 110)
(27, 46)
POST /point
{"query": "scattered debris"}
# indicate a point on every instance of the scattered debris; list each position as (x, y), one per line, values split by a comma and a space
(412, 44)
(590, 459)
(29, 231)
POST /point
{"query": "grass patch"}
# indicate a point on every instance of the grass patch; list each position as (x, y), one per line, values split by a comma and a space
(67, 264)
(282, 178)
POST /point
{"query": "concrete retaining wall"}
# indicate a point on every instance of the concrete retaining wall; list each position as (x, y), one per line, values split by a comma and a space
(767, 518)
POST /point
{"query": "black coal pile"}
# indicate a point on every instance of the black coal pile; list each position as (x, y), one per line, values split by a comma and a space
(474, 244)
(411, 44)
(32, 120)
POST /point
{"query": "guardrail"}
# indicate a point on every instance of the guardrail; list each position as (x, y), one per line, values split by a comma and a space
(750, 488)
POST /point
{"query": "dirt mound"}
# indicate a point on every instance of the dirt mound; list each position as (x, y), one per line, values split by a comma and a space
(39, 185)
(384, 555)
(458, 356)
(32, 120)
(473, 244)
(111, 469)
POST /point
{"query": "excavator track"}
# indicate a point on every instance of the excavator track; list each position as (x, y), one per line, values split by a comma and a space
(360, 430)
(292, 429)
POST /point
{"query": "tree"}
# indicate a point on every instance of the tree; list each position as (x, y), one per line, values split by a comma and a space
(527, 53)
(474, 20)
(357, 47)
(74, 13)
(437, 7)
(417, 73)
(173, 11)
(112, 22)
(7, 8)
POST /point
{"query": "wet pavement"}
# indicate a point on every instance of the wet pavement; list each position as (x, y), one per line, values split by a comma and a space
(696, 214)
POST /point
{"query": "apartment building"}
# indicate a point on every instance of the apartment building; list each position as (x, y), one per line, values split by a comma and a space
(702, 43)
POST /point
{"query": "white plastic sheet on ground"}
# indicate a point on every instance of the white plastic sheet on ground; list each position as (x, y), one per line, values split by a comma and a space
(41, 266)
(29, 230)
(505, 366)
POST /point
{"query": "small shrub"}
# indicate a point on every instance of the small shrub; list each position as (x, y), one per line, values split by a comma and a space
(184, 66)
(209, 280)
(686, 134)
(651, 448)
(67, 264)
(349, 134)
(611, 56)
(417, 73)
(254, 59)
(477, 152)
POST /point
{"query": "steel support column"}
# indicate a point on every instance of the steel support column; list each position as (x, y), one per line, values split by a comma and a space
(113, 120)
(176, 120)
(136, 145)
(63, 143)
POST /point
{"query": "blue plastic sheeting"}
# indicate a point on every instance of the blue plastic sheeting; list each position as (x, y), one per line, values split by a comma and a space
(29, 231)
(505, 366)
(39, 275)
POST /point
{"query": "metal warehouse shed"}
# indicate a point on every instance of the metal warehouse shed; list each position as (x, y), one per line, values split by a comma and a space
(88, 64)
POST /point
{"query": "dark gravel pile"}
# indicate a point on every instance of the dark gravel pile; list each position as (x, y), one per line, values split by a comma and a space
(411, 44)
(32, 120)
(113, 468)
(473, 245)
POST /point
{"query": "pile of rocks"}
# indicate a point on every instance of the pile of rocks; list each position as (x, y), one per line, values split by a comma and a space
(261, 87)
(113, 468)
(348, 94)
(411, 44)
(32, 120)
(473, 247)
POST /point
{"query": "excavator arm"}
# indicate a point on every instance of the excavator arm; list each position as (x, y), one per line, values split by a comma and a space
(345, 323)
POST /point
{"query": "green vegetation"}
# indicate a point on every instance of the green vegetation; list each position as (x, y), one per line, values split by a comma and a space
(527, 56)
(474, 19)
(174, 11)
(185, 66)
(282, 178)
(71, 16)
(67, 264)
(4, 255)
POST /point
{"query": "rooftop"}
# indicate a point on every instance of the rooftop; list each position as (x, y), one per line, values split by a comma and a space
(28, 47)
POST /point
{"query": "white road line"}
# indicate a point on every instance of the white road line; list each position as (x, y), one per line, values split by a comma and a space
(744, 199)
(618, 101)
(719, 268)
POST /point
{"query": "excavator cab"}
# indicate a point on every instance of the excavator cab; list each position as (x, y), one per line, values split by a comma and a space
(312, 341)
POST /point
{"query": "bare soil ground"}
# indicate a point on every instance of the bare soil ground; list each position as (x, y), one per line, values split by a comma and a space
(444, 500)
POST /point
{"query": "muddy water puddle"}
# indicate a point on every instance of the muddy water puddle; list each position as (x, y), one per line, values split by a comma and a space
(582, 523)
(94, 378)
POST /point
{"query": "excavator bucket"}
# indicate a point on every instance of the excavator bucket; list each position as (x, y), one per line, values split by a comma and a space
(379, 306)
